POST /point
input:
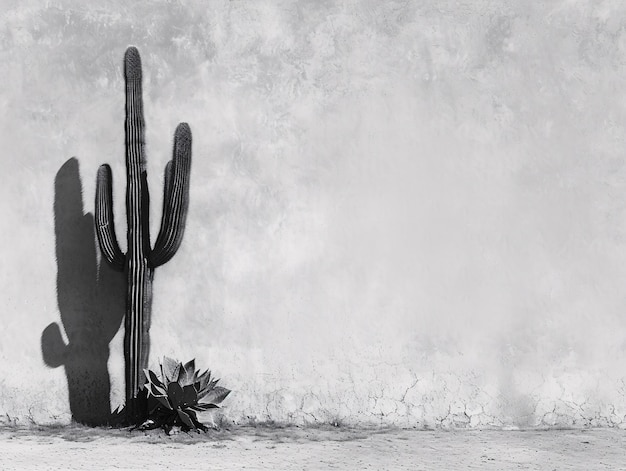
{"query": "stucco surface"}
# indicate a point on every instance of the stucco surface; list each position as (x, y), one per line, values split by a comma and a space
(405, 213)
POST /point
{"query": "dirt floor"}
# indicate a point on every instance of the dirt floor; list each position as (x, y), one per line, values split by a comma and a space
(77, 447)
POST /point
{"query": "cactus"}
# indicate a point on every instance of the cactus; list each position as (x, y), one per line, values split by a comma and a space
(140, 260)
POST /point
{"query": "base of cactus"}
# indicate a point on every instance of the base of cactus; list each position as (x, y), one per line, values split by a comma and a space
(132, 414)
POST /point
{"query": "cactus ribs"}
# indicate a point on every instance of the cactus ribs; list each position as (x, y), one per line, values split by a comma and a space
(140, 260)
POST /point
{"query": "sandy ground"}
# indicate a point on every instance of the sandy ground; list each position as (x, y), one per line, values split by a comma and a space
(76, 447)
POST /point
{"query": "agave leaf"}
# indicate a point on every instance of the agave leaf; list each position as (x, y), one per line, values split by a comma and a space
(204, 379)
(195, 420)
(186, 419)
(202, 393)
(165, 401)
(153, 378)
(157, 402)
(177, 372)
(190, 396)
(175, 395)
(187, 373)
(154, 390)
(163, 379)
(149, 424)
(215, 395)
(203, 406)
(198, 386)
(160, 390)
(170, 369)
(208, 388)
(192, 415)
(148, 387)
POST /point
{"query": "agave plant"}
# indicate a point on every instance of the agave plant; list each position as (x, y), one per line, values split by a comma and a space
(173, 398)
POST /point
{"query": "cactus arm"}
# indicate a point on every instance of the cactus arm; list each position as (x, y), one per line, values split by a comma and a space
(167, 179)
(105, 226)
(176, 199)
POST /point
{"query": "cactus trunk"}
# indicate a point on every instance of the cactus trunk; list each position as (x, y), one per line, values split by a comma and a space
(140, 260)
(136, 333)
(140, 275)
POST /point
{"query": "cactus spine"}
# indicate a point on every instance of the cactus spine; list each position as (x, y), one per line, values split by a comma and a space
(140, 260)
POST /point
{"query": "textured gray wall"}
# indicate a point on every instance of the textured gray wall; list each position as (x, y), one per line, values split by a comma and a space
(401, 212)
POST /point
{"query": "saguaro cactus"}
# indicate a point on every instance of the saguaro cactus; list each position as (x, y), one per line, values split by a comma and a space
(140, 260)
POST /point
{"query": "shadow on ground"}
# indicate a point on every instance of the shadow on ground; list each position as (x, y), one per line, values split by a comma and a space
(91, 303)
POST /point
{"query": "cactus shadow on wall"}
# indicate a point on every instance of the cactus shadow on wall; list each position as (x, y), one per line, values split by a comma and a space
(90, 297)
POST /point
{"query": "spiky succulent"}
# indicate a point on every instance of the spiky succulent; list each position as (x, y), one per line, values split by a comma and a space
(173, 398)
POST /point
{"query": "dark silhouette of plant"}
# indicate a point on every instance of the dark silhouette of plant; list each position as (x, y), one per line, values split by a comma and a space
(90, 302)
(173, 398)
(140, 260)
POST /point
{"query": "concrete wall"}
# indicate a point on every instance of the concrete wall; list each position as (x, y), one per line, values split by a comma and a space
(405, 213)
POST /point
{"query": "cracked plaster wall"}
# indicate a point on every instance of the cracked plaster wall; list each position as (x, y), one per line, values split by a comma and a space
(403, 213)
